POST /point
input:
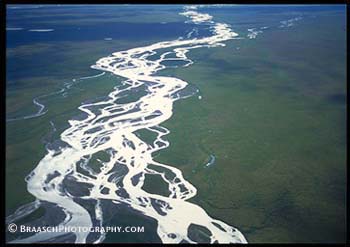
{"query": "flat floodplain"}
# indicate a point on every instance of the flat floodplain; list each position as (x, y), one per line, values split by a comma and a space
(270, 109)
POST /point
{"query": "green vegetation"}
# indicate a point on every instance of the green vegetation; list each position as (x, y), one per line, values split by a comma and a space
(273, 113)
(155, 184)
(146, 135)
(95, 162)
(24, 146)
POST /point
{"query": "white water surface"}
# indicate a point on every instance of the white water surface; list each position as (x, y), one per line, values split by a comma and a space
(14, 28)
(41, 30)
(110, 127)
